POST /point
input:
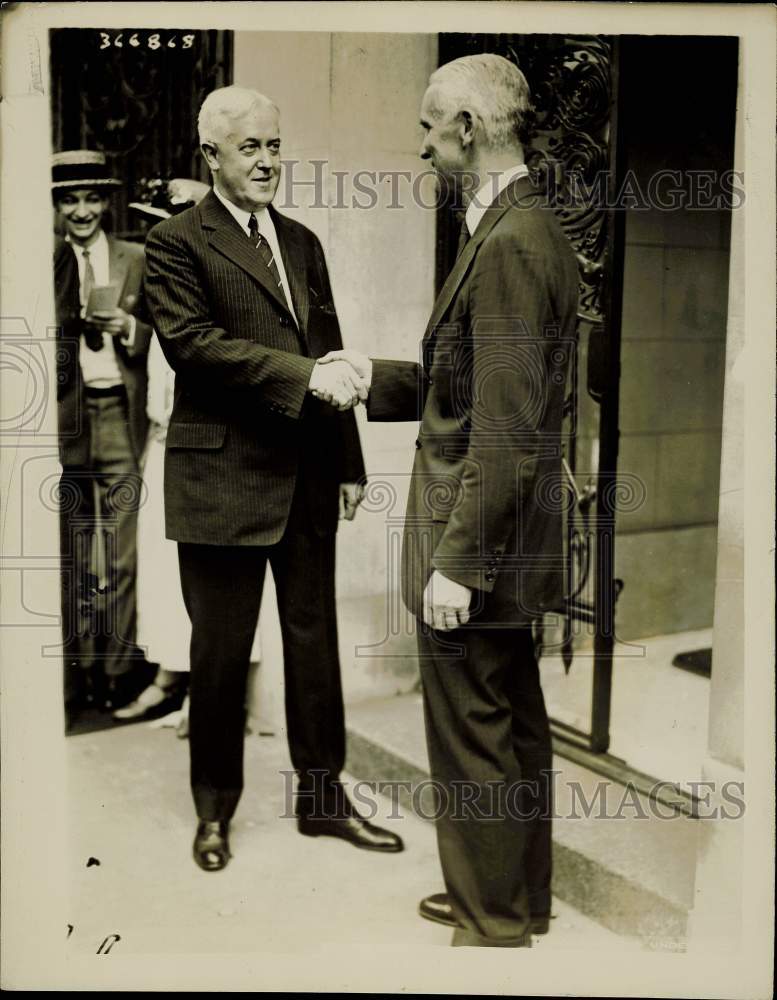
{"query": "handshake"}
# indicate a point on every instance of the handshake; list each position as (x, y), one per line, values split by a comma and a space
(342, 378)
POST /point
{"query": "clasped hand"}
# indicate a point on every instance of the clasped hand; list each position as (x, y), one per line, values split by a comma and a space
(116, 322)
(342, 378)
(446, 603)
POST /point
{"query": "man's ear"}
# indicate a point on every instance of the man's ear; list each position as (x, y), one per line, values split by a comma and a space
(208, 150)
(467, 124)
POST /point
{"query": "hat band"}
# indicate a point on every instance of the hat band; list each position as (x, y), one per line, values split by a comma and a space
(87, 172)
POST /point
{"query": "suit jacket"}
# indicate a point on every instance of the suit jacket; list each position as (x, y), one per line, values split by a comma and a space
(243, 426)
(484, 502)
(126, 269)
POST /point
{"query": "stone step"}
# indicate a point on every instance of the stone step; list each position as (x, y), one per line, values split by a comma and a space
(619, 859)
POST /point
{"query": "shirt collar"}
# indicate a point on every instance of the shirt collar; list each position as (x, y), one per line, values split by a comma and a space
(240, 216)
(487, 194)
(100, 243)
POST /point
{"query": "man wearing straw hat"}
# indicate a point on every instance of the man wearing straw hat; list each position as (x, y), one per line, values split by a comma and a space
(101, 394)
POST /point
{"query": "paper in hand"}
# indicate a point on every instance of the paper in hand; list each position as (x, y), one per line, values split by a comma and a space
(103, 298)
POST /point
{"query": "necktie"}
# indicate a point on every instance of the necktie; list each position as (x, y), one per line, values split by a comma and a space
(463, 238)
(265, 252)
(93, 338)
(88, 283)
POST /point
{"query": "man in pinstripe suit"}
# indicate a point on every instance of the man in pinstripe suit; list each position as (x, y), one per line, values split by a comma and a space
(256, 467)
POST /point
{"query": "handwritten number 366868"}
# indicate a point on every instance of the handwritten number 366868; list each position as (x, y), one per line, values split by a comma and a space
(153, 41)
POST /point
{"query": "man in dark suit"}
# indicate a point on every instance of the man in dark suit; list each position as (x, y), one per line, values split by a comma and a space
(256, 467)
(101, 401)
(482, 547)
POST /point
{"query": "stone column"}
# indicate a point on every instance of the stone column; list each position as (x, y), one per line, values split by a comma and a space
(716, 917)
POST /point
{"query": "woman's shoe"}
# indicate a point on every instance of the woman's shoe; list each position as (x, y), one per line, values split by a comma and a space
(153, 700)
(182, 729)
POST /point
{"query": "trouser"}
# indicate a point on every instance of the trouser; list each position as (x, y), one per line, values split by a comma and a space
(490, 751)
(98, 532)
(222, 589)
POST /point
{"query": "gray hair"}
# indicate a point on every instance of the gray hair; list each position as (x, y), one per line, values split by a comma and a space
(224, 105)
(492, 87)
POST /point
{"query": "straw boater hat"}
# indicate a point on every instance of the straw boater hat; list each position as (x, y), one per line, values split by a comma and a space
(81, 168)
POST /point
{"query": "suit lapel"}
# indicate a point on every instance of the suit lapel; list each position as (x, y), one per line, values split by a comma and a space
(293, 255)
(518, 189)
(226, 236)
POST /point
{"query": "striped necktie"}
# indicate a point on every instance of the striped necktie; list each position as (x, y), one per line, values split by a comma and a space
(265, 252)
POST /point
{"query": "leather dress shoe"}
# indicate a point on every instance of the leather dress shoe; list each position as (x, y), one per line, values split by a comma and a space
(437, 907)
(355, 830)
(211, 845)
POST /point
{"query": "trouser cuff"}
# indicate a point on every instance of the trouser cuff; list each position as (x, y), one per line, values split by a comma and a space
(463, 938)
(213, 805)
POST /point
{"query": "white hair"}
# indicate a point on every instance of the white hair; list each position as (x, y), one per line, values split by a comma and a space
(223, 106)
(490, 86)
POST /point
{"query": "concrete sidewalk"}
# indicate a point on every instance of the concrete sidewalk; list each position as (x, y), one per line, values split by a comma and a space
(132, 816)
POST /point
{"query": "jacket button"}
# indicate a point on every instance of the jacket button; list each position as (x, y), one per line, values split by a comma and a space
(490, 577)
(284, 321)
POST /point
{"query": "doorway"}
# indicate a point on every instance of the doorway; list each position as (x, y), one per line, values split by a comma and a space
(676, 110)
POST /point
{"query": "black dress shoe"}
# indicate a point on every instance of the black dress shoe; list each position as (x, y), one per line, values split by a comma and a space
(211, 845)
(437, 907)
(355, 830)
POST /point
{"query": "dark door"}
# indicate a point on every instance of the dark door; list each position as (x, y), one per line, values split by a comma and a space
(572, 152)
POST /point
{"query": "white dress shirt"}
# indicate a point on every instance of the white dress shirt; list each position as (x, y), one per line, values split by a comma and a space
(489, 192)
(98, 368)
(267, 230)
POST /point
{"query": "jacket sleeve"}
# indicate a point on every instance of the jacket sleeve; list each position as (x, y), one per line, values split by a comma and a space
(134, 348)
(193, 344)
(351, 456)
(398, 391)
(141, 340)
(509, 308)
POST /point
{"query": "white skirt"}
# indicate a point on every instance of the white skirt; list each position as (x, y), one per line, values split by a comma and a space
(164, 630)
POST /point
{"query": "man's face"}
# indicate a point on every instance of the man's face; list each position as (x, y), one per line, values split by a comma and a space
(246, 163)
(81, 211)
(441, 142)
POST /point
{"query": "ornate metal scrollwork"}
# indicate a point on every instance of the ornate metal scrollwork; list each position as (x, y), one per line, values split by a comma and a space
(567, 146)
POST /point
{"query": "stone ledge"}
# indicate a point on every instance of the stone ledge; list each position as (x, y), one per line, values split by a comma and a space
(635, 880)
